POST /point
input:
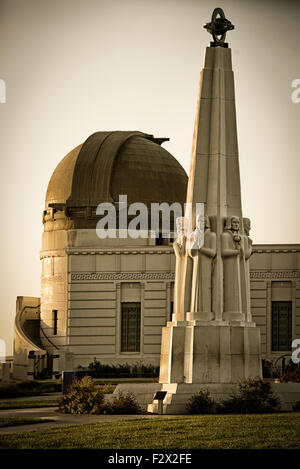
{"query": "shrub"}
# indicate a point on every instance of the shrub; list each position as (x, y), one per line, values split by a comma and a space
(201, 403)
(82, 398)
(255, 396)
(27, 388)
(20, 389)
(50, 387)
(292, 376)
(296, 407)
(269, 369)
(291, 372)
(96, 369)
(99, 370)
(107, 388)
(146, 371)
(124, 404)
(28, 385)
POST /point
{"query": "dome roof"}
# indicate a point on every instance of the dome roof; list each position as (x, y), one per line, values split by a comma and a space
(111, 163)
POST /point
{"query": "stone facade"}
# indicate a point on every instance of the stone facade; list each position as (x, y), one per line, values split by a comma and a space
(274, 276)
(88, 285)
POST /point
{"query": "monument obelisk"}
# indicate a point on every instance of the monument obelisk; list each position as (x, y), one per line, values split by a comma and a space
(211, 339)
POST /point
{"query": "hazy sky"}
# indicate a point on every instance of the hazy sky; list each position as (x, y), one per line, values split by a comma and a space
(73, 67)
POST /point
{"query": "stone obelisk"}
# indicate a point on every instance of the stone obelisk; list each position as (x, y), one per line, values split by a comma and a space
(211, 339)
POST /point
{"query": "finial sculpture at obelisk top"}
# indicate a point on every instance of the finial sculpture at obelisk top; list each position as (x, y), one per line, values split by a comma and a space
(211, 338)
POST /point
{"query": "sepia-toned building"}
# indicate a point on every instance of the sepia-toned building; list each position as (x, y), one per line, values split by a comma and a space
(109, 298)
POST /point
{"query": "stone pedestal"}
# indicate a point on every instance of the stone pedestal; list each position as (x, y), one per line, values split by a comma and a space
(211, 353)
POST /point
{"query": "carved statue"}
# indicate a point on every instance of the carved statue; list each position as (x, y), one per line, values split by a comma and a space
(179, 247)
(248, 244)
(183, 272)
(245, 269)
(232, 251)
(201, 297)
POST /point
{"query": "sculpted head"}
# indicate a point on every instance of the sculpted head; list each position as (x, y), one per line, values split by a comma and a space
(232, 223)
(207, 222)
(235, 223)
(247, 225)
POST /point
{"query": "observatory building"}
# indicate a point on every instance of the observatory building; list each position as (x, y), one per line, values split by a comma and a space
(110, 298)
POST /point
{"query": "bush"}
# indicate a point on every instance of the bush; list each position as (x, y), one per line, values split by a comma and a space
(107, 388)
(27, 388)
(28, 385)
(291, 372)
(296, 407)
(99, 370)
(96, 369)
(82, 398)
(255, 396)
(292, 376)
(144, 371)
(20, 389)
(269, 369)
(201, 403)
(124, 404)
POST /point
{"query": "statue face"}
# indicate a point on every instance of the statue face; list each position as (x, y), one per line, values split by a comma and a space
(247, 226)
(235, 224)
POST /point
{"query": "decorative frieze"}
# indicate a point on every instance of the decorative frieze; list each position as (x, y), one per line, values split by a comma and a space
(84, 252)
(276, 250)
(122, 276)
(286, 274)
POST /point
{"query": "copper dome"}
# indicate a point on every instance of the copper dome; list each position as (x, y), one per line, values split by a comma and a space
(111, 163)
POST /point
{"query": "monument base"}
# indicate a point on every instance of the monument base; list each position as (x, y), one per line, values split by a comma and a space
(206, 354)
(177, 395)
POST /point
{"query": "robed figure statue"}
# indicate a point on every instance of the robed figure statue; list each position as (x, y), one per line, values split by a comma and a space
(182, 287)
(202, 251)
(232, 252)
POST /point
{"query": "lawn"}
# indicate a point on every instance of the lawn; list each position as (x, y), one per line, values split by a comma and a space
(12, 422)
(276, 431)
(27, 404)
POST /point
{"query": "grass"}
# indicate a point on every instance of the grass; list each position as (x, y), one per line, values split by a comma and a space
(272, 431)
(27, 404)
(12, 422)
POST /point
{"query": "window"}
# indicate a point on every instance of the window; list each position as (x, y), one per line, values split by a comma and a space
(281, 325)
(130, 327)
(54, 321)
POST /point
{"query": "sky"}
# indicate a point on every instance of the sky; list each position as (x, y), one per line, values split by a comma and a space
(73, 67)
